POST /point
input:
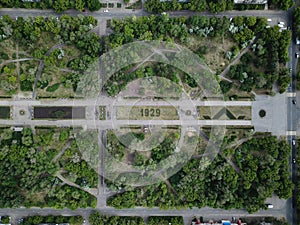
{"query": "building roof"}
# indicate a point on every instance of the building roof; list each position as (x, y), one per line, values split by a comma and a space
(250, 1)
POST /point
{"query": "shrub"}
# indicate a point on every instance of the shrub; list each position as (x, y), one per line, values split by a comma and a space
(53, 87)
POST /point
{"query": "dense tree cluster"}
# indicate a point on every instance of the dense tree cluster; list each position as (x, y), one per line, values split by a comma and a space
(58, 5)
(271, 48)
(98, 219)
(79, 169)
(34, 220)
(213, 6)
(116, 147)
(178, 30)
(69, 30)
(168, 29)
(27, 169)
(281, 4)
(260, 169)
(119, 80)
(297, 192)
(296, 21)
(298, 81)
(66, 31)
(166, 220)
(194, 5)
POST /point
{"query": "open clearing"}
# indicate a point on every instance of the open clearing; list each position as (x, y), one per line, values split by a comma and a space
(214, 50)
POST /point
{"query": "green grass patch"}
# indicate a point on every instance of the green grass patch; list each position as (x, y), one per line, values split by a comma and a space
(102, 112)
(223, 113)
(147, 113)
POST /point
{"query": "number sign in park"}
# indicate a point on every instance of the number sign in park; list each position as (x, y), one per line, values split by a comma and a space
(147, 113)
(152, 112)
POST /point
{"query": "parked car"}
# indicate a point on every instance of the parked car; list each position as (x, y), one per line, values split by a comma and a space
(270, 206)
(294, 101)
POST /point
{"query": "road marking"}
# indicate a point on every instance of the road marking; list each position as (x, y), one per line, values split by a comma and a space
(291, 94)
(291, 133)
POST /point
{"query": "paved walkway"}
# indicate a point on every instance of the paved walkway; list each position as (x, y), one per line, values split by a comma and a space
(275, 120)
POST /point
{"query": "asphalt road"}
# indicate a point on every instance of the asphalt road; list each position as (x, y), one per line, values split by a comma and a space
(207, 213)
(292, 119)
(116, 13)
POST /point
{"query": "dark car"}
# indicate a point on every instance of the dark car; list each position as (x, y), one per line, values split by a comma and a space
(294, 101)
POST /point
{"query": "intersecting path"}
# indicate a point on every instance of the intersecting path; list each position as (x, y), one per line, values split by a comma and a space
(101, 195)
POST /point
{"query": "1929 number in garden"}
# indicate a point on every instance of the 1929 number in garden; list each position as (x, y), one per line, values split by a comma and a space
(150, 112)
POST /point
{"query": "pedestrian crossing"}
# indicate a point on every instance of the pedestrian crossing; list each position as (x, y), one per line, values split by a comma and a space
(291, 133)
(291, 94)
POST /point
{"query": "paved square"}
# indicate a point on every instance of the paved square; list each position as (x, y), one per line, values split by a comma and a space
(275, 120)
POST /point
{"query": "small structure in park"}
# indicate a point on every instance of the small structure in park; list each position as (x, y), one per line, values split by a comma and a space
(17, 129)
(259, 2)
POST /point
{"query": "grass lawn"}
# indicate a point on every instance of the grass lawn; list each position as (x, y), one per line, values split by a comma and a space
(238, 132)
(238, 95)
(102, 112)
(7, 49)
(215, 50)
(128, 143)
(53, 77)
(52, 134)
(241, 112)
(9, 77)
(28, 71)
(46, 41)
(229, 112)
(147, 113)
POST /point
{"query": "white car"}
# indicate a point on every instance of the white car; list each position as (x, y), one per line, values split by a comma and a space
(269, 20)
(105, 10)
(294, 142)
(270, 206)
